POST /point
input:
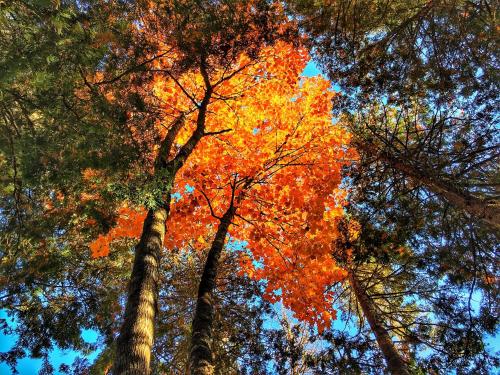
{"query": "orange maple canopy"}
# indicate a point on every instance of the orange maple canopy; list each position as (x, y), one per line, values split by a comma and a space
(275, 136)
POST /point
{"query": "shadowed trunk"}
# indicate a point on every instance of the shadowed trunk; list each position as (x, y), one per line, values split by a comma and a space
(487, 211)
(201, 355)
(136, 334)
(395, 364)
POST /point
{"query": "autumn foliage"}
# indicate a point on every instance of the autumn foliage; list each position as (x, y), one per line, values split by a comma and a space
(271, 132)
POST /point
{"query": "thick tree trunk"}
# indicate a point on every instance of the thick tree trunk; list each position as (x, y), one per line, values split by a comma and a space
(201, 355)
(395, 364)
(134, 344)
(136, 335)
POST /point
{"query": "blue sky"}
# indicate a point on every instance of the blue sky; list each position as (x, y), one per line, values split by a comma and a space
(29, 366)
(311, 69)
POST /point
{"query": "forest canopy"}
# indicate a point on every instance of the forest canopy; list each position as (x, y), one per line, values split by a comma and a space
(175, 182)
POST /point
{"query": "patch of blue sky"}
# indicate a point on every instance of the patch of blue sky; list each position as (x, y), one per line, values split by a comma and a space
(57, 357)
(234, 244)
(90, 336)
(312, 70)
(272, 321)
(176, 196)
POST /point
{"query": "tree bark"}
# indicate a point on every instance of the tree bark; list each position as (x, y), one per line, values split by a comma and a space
(395, 363)
(484, 210)
(489, 212)
(201, 355)
(134, 344)
(136, 335)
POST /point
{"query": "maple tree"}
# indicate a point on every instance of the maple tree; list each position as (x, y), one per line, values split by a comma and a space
(275, 144)
(196, 60)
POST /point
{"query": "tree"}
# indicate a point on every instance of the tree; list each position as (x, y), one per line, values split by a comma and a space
(430, 325)
(420, 105)
(413, 296)
(395, 363)
(292, 157)
(213, 41)
(433, 63)
(48, 137)
(201, 354)
(236, 345)
(238, 321)
(120, 61)
(163, 123)
(290, 346)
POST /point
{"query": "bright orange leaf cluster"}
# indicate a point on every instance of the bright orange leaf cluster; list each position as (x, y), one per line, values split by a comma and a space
(128, 225)
(275, 132)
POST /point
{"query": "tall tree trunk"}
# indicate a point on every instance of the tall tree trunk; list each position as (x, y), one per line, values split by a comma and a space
(136, 335)
(487, 211)
(201, 355)
(395, 364)
(134, 344)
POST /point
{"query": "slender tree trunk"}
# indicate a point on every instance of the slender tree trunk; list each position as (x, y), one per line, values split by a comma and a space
(487, 211)
(136, 335)
(201, 355)
(484, 210)
(395, 364)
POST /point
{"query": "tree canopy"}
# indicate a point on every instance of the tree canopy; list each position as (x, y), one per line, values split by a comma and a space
(172, 181)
